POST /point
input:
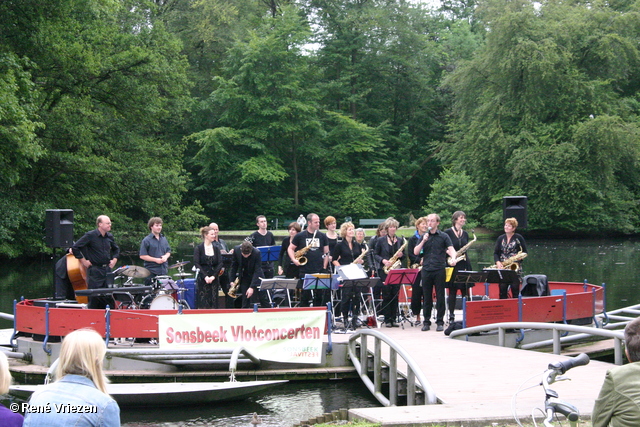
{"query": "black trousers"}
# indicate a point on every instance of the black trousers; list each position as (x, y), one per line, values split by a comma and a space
(431, 280)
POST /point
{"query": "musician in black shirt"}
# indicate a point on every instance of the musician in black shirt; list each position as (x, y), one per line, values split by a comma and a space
(98, 252)
(434, 246)
(346, 252)
(247, 265)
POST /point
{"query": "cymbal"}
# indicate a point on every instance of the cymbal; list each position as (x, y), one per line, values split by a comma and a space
(135, 271)
(179, 264)
(182, 275)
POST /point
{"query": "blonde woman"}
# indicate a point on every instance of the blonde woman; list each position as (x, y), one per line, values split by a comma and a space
(80, 381)
(7, 417)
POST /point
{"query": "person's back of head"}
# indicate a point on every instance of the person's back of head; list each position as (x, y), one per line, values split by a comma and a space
(246, 247)
(632, 340)
(82, 353)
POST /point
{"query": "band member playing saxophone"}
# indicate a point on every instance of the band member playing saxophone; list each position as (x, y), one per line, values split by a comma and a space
(459, 239)
(346, 252)
(434, 248)
(247, 267)
(317, 258)
(509, 245)
(415, 262)
(388, 250)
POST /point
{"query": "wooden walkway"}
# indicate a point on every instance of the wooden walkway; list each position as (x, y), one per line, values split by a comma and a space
(476, 382)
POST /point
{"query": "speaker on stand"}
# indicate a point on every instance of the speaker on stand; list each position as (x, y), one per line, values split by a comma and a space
(58, 233)
(515, 207)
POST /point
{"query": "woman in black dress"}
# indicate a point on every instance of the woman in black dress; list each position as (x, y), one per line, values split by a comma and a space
(207, 259)
(459, 238)
(346, 252)
(508, 245)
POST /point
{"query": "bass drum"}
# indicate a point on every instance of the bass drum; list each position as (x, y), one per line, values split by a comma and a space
(160, 302)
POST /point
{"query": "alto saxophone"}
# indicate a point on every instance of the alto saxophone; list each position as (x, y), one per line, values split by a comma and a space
(234, 288)
(511, 263)
(394, 262)
(460, 254)
(300, 254)
(361, 256)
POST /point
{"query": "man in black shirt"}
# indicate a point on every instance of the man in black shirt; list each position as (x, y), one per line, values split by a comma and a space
(317, 257)
(263, 237)
(247, 266)
(434, 247)
(98, 252)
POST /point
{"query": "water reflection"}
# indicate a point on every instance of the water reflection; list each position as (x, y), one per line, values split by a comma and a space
(284, 406)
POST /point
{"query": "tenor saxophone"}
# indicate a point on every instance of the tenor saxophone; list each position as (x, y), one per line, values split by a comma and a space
(460, 254)
(394, 262)
(233, 290)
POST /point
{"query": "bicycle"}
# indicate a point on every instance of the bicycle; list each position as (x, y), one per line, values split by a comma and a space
(553, 405)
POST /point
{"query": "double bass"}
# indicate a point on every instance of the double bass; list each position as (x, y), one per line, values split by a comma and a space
(77, 276)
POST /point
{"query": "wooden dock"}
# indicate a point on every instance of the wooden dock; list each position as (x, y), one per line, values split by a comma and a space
(476, 382)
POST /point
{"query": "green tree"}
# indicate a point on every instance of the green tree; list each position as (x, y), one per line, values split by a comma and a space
(108, 85)
(549, 105)
(453, 192)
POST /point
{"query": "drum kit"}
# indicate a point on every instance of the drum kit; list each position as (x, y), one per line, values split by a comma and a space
(166, 293)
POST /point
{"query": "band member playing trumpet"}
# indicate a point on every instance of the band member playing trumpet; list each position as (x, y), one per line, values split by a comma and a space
(247, 269)
(509, 245)
(459, 238)
(434, 248)
(317, 258)
(207, 259)
(346, 252)
(388, 251)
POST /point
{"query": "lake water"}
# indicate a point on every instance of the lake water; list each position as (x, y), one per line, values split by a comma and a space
(610, 261)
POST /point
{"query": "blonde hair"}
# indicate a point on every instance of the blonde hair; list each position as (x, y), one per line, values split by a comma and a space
(82, 353)
(512, 221)
(5, 375)
(344, 227)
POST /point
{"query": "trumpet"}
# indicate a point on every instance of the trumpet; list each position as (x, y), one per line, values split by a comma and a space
(233, 290)
(394, 261)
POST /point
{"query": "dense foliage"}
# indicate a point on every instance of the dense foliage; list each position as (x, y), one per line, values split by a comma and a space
(207, 109)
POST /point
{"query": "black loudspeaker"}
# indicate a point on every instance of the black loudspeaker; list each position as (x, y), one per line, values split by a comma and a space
(59, 228)
(515, 207)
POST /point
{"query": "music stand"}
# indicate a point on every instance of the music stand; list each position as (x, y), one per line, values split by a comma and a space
(402, 276)
(278, 283)
(269, 253)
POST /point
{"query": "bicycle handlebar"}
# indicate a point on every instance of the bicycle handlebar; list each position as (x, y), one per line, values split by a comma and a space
(563, 366)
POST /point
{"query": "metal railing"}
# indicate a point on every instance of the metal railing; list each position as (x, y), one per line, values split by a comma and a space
(556, 328)
(416, 382)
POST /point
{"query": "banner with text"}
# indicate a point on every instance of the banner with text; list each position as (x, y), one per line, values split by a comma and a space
(281, 336)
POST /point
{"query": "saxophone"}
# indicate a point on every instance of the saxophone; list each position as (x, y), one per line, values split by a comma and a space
(361, 256)
(511, 263)
(300, 254)
(461, 253)
(234, 288)
(394, 261)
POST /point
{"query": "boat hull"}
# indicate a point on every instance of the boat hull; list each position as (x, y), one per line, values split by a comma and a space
(170, 394)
